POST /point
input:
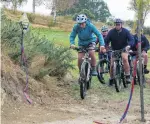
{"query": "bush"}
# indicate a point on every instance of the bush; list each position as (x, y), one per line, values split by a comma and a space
(87, 13)
(110, 23)
(31, 17)
(58, 59)
(74, 17)
(51, 23)
(147, 30)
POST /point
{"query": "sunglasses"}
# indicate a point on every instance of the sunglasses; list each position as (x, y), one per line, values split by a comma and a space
(118, 24)
(104, 31)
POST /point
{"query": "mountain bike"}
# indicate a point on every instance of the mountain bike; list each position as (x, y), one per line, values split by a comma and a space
(118, 70)
(103, 67)
(85, 72)
(137, 78)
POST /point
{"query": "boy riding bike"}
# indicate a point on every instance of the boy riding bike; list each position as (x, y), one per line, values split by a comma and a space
(86, 39)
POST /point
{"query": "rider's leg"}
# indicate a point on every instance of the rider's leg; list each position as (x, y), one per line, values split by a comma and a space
(93, 62)
(145, 55)
(126, 66)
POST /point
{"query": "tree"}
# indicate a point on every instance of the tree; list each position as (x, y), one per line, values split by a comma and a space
(110, 20)
(86, 12)
(141, 8)
(58, 5)
(14, 3)
(130, 23)
(33, 4)
(97, 7)
(36, 3)
(134, 6)
(147, 30)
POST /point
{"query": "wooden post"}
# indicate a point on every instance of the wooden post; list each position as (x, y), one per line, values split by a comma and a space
(141, 71)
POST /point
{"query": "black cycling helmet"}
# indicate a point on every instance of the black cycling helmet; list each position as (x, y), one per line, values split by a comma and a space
(118, 20)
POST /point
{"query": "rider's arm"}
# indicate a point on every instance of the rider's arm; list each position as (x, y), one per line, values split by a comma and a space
(147, 45)
(99, 35)
(73, 35)
(130, 38)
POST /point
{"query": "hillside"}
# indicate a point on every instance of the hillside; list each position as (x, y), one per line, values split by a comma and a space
(64, 23)
(56, 99)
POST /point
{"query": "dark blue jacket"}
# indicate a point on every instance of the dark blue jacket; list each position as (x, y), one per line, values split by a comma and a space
(119, 40)
(144, 43)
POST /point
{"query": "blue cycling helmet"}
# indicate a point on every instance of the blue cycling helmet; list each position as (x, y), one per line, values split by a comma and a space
(104, 28)
(81, 18)
(118, 20)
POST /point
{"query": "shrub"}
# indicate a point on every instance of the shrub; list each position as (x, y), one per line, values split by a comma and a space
(51, 23)
(31, 17)
(74, 17)
(147, 30)
(58, 59)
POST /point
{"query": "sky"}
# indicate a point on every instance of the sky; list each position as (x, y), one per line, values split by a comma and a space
(118, 8)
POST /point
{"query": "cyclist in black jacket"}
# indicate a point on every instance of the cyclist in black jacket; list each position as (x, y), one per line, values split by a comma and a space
(145, 46)
(120, 38)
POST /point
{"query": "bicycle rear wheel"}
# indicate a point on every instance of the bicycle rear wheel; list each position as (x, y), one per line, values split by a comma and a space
(103, 71)
(124, 80)
(117, 77)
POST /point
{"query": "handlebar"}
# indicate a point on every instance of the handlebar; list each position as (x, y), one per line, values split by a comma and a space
(118, 51)
(86, 49)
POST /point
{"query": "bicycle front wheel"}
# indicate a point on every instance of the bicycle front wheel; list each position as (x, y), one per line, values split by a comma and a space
(84, 79)
(103, 71)
(117, 76)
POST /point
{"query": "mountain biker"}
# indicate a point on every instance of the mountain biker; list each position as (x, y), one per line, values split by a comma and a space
(120, 38)
(86, 39)
(145, 46)
(104, 31)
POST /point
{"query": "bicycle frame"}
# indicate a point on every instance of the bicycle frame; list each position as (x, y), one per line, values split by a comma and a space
(118, 59)
(86, 60)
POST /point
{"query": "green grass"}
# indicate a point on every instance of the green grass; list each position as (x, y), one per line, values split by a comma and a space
(58, 37)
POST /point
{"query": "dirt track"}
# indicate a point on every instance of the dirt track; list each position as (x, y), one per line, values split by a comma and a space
(71, 111)
(57, 102)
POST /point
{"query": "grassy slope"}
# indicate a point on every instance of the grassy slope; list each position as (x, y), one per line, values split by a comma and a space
(58, 37)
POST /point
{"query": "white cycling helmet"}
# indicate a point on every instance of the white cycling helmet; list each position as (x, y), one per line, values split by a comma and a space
(104, 28)
(81, 18)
